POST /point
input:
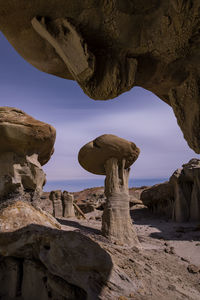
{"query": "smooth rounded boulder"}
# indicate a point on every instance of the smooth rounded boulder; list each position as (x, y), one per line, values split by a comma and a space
(93, 156)
(24, 135)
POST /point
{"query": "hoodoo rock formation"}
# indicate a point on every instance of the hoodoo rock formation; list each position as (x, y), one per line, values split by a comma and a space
(26, 145)
(178, 199)
(112, 156)
(110, 46)
(62, 204)
(37, 259)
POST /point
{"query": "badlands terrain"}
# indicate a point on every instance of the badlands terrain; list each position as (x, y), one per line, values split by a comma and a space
(166, 267)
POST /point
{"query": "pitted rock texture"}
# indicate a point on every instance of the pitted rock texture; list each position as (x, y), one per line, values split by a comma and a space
(119, 44)
(178, 199)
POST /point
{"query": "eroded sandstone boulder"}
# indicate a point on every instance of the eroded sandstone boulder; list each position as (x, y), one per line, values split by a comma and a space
(110, 46)
(23, 135)
(26, 145)
(112, 156)
(17, 214)
(45, 263)
(179, 198)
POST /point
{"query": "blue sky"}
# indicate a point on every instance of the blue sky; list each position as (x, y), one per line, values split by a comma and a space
(137, 115)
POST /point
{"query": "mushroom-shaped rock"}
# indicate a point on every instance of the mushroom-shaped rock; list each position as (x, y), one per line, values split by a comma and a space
(112, 156)
(94, 155)
(26, 144)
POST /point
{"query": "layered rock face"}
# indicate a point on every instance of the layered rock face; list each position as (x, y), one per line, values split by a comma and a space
(179, 198)
(62, 204)
(112, 156)
(110, 46)
(26, 144)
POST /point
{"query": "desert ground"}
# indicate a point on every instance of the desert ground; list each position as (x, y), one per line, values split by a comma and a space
(167, 265)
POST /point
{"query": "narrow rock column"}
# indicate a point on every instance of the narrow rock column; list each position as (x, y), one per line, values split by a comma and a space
(55, 197)
(181, 210)
(116, 220)
(68, 207)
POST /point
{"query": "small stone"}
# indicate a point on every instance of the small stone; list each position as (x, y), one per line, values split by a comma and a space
(193, 269)
(122, 298)
(169, 250)
(135, 249)
(118, 243)
(171, 287)
(184, 259)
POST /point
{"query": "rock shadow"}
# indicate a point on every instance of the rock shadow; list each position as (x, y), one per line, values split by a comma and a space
(168, 229)
(37, 262)
(77, 225)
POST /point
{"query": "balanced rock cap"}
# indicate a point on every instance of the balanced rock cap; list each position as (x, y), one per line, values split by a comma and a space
(93, 156)
(24, 135)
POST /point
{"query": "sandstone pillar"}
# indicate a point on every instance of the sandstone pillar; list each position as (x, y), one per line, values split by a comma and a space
(116, 221)
(68, 207)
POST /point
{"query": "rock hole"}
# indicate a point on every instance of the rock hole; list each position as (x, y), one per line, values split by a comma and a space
(47, 247)
(20, 275)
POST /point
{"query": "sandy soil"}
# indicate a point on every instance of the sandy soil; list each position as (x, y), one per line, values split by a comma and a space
(166, 268)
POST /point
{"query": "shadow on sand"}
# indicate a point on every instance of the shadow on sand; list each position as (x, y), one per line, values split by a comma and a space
(77, 225)
(167, 229)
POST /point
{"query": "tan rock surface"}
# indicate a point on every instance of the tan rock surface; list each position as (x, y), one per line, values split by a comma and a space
(65, 265)
(56, 198)
(26, 144)
(68, 207)
(20, 174)
(19, 214)
(93, 156)
(179, 198)
(119, 44)
(24, 135)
